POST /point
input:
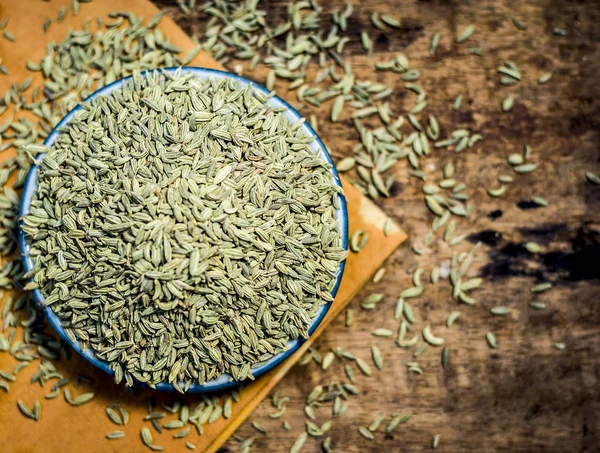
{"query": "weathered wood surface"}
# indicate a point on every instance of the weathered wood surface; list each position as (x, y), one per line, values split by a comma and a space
(525, 396)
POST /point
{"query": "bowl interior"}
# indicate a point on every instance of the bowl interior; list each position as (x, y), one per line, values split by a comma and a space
(224, 381)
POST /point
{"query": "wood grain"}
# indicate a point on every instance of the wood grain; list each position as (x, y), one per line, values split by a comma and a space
(525, 396)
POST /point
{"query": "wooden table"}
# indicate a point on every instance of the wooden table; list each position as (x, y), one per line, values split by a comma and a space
(525, 396)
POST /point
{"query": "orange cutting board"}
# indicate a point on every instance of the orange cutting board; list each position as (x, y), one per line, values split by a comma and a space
(63, 428)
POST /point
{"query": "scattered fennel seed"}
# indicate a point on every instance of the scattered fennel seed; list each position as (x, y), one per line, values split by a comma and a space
(532, 247)
(541, 287)
(500, 311)
(539, 201)
(457, 102)
(593, 178)
(507, 103)
(520, 25)
(466, 33)
(490, 338)
(545, 78)
(379, 275)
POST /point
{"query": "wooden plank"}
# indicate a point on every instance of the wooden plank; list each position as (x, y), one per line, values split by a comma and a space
(26, 19)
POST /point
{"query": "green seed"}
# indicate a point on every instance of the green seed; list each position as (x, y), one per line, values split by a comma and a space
(260, 428)
(457, 102)
(327, 360)
(25, 410)
(358, 240)
(490, 338)
(37, 411)
(366, 42)
(415, 291)
(387, 227)
(113, 416)
(457, 239)
(371, 301)
(593, 178)
(115, 435)
(447, 183)
(449, 230)
(515, 159)
(349, 372)
(376, 21)
(434, 276)
(537, 305)
(146, 436)
(363, 366)
(390, 21)
(466, 33)
(532, 247)
(508, 81)
(378, 183)
(83, 398)
(435, 441)
(471, 284)
(420, 350)
(448, 170)
(396, 421)
(399, 308)
(430, 189)
(525, 168)
(507, 103)
(336, 109)
(377, 357)
(349, 317)
(434, 206)
(453, 316)
(366, 433)
(541, 287)
(465, 299)
(430, 338)
(510, 72)
(345, 164)
(520, 25)
(408, 313)
(539, 201)
(416, 278)
(545, 78)
(411, 75)
(445, 357)
(379, 275)
(500, 311)
(382, 332)
(435, 40)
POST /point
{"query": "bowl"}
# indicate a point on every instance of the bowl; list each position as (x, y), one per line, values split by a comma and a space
(224, 381)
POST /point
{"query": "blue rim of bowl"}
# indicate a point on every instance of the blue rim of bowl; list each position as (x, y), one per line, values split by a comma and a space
(224, 381)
